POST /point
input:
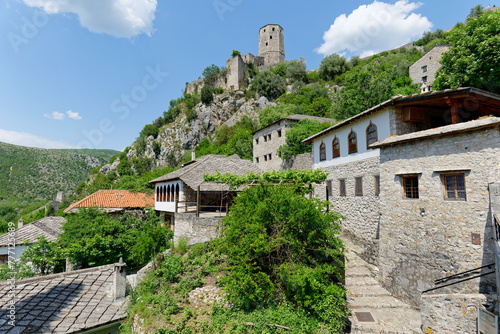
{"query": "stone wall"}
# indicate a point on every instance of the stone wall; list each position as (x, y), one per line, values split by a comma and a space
(451, 314)
(272, 44)
(195, 229)
(263, 146)
(237, 73)
(428, 65)
(361, 213)
(429, 237)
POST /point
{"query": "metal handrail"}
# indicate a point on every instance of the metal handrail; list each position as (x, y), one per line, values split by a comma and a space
(496, 223)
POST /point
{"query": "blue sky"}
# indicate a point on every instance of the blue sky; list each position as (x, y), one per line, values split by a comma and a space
(92, 73)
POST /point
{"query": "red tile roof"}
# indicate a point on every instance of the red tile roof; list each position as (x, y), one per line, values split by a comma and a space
(115, 199)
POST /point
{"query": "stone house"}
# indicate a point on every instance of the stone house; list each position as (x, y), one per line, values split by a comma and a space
(83, 301)
(115, 202)
(267, 140)
(26, 235)
(411, 178)
(423, 71)
(193, 208)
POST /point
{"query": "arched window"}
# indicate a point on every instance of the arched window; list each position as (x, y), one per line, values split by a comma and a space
(336, 147)
(157, 192)
(162, 195)
(353, 142)
(371, 134)
(322, 152)
(177, 192)
(172, 193)
(168, 193)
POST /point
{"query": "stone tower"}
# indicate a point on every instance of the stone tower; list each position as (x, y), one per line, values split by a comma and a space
(272, 44)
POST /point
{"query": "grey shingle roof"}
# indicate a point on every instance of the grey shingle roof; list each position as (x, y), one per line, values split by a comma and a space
(193, 173)
(50, 227)
(62, 303)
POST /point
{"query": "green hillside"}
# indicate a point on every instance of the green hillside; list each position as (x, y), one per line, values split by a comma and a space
(38, 174)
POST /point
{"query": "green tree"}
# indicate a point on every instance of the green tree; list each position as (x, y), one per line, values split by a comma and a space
(474, 57)
(269, 84)
(283, 248)
(91, 238)
(296, 70)
(150, 130)
(45, 257)
(207, 94)
(298, 132)
(271, 114)
(313, 100)
(235, 53)
(210, 73)
(475, 12)
(332, 66)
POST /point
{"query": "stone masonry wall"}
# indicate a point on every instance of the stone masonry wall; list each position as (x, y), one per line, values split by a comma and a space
(266, 147)
(195, 229)
(430, 237)
(431, 60)
(361, 212)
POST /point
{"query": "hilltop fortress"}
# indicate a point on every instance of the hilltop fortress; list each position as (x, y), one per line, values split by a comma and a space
(271, 52)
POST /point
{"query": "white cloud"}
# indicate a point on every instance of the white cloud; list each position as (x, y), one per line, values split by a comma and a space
(55, 115)
(31, 140)
(119, 18)
(374, 28)
(73, 115)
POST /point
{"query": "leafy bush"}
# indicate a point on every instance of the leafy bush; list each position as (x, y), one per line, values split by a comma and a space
(124, 168)
(91, 238)
(207, 94)
(298, 132)
(296, 71)
(45, 257)
(140, 146)
(156, 148)
(474, 57)
(235, 53)
(211, 73)
(142, 165)
(270, 114)
(269, 84)
(313, 100)
(281, 247)
(150, 130)
(332, 66)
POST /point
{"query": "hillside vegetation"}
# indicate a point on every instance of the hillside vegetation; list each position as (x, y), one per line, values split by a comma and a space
(28, 173)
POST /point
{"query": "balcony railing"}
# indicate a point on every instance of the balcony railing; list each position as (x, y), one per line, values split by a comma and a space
(198, 208)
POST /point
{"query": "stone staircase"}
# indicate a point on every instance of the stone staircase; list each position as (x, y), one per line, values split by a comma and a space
(373, 309)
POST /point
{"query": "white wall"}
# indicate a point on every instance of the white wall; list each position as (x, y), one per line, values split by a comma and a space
(381, 119)
(18, 251)
(169, 206)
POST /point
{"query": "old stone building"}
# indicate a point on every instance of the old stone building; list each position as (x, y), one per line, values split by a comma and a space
(271, 52)
(192, 207)
(423, 71)
(267, 140)
(411, 178)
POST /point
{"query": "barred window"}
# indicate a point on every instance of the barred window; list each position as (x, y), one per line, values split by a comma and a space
(410, 187)
(454, 187)
(359, 186)
(377, 185)
(342, 190)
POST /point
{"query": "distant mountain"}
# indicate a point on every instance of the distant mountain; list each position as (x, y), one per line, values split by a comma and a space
(36, 173)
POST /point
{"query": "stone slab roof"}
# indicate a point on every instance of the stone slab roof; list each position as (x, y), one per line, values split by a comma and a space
(62, 303)
(193, 173)
(298, 117)
(115, 199)
(439, 132)
(49, 227)
(417, 98)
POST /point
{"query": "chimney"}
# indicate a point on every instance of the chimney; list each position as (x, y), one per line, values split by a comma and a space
(193, 154)
(20, 223)
(119, 280)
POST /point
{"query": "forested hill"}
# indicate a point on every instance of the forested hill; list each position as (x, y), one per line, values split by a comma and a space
(35, 173)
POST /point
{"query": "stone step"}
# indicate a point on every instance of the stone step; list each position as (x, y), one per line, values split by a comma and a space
(392, 321)
(359, 281)
(358, 271)
(367, 291)
(382, 302)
